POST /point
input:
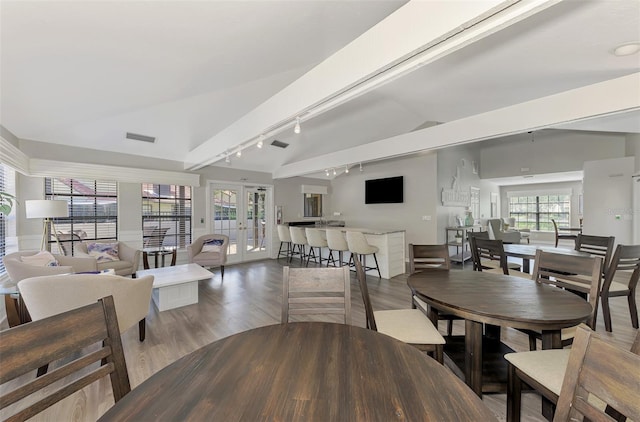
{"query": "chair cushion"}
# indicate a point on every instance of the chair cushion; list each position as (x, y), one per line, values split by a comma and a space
(545, 366)
(114, 265)
(408, 325)
(212, 245)
(103, 252)
(41, 259)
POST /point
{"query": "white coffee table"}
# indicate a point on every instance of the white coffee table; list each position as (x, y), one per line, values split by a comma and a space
(176, 286)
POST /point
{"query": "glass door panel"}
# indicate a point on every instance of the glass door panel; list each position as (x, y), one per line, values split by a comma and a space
(224, 214)
(256, 221)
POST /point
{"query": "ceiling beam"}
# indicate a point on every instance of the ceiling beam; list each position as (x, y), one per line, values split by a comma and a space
(601, 99)
(412, 36)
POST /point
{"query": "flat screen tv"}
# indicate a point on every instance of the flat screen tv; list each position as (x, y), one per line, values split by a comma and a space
(384, 191)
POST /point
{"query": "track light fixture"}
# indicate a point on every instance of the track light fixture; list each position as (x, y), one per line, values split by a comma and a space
(360, 166)
(326, 172)
(334, 172)
(239, 153)
(296, 128)
(346, 169)
(260, 141)
(227, 159)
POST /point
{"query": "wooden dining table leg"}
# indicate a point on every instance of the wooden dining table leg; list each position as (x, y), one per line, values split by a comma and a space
(473, 355)
(551, 339)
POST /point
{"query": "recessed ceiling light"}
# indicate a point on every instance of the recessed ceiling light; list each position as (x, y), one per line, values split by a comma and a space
(627, 49)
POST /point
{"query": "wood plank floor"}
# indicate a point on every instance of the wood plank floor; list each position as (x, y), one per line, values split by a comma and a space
(250, 297)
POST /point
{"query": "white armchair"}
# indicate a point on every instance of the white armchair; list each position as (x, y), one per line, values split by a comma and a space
(525, 234)
(496, 232)
(19, 270)
(214, 253)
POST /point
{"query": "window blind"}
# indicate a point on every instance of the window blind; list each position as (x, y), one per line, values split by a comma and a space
(166, 215)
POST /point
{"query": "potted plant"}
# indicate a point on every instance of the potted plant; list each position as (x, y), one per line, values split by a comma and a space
(6, 202)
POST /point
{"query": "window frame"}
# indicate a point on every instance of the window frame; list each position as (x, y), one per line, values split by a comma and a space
(543, 206)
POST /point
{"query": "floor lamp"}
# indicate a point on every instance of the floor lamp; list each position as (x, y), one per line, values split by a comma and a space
(47, 209)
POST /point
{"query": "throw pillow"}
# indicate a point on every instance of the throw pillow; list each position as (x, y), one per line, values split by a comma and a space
(41, 259)
(212, 245)
(103, 252)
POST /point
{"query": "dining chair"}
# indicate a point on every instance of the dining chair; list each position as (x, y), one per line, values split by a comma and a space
(582, 271)
(410, 326)
(598, 372)
(427, 258)
(30, 346)
(562, 235)
(477, 235)
(316, 291)
(601, 246)
(489, 256)
(621, 279)
(542, 370)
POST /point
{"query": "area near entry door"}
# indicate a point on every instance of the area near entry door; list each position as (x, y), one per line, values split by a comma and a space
(242, 213)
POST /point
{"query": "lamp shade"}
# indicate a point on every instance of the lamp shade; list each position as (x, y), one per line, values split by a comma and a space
(45, 208)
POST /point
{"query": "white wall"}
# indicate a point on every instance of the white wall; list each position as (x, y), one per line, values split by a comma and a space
(633, 149)
(552, 151)
(608, 198)
(459, 160)
(420, 197)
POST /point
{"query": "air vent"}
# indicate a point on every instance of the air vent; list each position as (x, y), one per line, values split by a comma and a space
(279, 144)
(143, 138)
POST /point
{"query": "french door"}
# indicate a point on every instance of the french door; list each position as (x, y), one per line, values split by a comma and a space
(242, 212)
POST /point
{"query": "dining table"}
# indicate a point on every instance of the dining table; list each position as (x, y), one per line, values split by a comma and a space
(528, 252)
(495, 300)
(303, 371)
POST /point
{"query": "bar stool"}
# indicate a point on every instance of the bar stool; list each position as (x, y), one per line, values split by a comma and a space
(315, 239)
(299, 239)
(285, 239)
(359, 247)
(336, 242)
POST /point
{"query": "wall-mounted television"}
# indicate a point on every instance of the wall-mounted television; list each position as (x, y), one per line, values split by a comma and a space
(384, 191)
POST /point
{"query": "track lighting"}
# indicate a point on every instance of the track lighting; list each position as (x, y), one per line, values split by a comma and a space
(239, 153)
(296, 128)
(326, 172)
(227, 159)
(360, 166)
(260, 141)
(334, 172)
(346, 169)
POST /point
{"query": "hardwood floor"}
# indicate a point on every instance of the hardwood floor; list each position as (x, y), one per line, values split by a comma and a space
(250, 297)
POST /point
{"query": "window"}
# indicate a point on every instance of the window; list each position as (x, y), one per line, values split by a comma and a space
(7, 223)
(166, 215)
(312, 205)
(536, 211)
(93, 210)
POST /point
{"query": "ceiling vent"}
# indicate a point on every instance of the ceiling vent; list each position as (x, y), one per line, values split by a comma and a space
(279, 144)
(143, 138)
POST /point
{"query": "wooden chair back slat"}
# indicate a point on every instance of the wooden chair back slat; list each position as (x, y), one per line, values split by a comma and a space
(329, 288)
(28, 347)
(428, 257)
(625, 258)
(549, 265)
(598, 368)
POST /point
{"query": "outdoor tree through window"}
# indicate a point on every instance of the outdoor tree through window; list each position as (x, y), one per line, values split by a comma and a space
(535, 212)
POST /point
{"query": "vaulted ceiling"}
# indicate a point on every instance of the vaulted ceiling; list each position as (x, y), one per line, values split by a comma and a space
(369, 79)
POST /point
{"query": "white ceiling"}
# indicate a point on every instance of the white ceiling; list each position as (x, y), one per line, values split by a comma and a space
(85, 73)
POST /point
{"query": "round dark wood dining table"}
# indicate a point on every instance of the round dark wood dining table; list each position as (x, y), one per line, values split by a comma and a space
(305, 371)
(497, 300)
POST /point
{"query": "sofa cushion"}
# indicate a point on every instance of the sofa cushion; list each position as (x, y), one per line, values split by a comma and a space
(212, 245)
(103, 252)
(41, 259)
